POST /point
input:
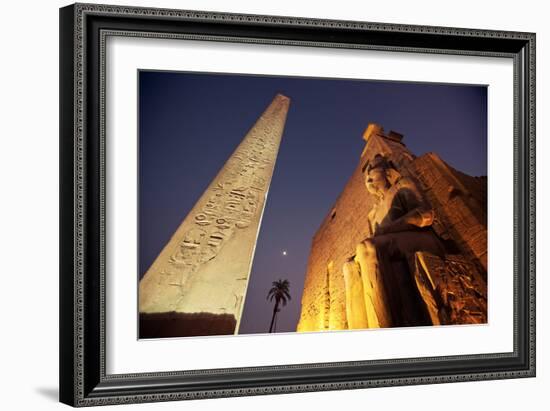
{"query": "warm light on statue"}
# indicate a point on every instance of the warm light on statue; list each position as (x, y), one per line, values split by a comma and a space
(402, 255)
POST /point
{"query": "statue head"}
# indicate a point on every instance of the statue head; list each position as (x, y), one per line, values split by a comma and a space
(380, 176)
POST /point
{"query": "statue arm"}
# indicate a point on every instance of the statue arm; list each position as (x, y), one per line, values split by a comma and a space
(420, 214)
(370, 217)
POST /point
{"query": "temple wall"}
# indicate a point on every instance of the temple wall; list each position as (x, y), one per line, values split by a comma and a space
(459, 202)
(335, 242)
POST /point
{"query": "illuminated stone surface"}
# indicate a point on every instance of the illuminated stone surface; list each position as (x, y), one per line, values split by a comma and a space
(352, 283)
(202, 273)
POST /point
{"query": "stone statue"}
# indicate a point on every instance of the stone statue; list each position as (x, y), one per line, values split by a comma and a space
(400, 225)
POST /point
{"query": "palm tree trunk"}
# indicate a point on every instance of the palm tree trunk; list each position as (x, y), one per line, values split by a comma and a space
(275, 310)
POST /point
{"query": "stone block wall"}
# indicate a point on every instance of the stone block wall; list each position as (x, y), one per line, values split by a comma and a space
(459, 203)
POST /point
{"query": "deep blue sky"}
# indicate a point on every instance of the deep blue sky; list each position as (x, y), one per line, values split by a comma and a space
(190, 123)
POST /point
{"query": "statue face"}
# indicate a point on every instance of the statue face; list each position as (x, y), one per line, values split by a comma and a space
(376, 181)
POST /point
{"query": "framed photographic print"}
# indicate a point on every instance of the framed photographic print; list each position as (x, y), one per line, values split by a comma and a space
(262, 204)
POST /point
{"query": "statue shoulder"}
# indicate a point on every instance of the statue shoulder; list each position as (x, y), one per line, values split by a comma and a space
(406, 182)
(409, 191)
(403, 184)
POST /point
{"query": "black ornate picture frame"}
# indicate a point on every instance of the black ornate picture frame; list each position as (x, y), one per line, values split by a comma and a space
(83, 32)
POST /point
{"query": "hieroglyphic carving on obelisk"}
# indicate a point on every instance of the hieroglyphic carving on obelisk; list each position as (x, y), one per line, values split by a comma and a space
(204, 268)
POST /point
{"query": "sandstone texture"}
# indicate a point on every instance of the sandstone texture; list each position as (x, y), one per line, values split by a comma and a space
(343, 291)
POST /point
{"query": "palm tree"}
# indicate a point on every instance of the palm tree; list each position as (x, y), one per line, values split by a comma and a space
(280, 292)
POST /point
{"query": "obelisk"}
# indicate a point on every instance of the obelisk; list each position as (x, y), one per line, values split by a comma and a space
(197, 284)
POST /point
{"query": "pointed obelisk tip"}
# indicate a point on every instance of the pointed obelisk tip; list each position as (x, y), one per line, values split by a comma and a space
(282, 97)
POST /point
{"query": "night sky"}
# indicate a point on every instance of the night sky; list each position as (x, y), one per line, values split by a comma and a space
(189, 124)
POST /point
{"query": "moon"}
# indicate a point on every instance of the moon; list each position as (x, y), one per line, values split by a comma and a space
(284, 252)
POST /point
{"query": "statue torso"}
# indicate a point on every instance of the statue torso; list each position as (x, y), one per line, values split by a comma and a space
(401, 198)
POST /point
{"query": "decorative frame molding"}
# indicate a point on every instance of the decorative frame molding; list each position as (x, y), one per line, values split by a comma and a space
(83, 32)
